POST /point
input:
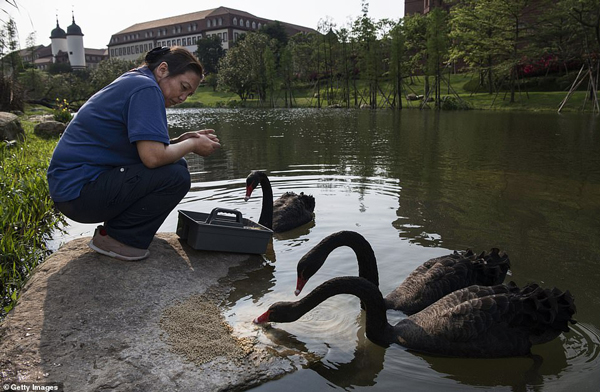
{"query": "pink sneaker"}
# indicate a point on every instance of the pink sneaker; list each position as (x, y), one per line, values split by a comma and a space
(108, 246)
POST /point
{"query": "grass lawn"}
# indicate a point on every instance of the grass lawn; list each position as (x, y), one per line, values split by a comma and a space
(306, 97)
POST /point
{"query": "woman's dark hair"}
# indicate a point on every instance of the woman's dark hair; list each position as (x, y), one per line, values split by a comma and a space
(179, 60)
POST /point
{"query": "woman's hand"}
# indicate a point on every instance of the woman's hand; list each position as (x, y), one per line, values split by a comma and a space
(155, 154)
(205, 144)
(210, 133)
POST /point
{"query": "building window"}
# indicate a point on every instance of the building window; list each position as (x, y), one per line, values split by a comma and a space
(169, 43)
(225, 37)
(241, 22)
(208, 23)
(220, 22)
(178, 41)
(189, 41)
(193, 40)
(128, 50)
(235, 21)
(259, 25)
(236, 36)
(254, 25)
(145, 47)
(248, 23)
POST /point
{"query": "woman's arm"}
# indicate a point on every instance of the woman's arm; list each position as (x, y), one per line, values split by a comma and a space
(155, 154)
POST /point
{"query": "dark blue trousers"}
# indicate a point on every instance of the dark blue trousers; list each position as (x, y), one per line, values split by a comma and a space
(132, 201)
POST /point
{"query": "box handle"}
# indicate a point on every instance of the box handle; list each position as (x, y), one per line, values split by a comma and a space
(215, 212)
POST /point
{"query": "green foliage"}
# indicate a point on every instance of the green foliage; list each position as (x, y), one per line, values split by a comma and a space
(210, 52)
(449, 102)
(61, 112)
(107, 71)
(27, 213)
(211, 81)
(242, 70)
(275, 30)
(270, 75)
(278, 36)
(59, 68)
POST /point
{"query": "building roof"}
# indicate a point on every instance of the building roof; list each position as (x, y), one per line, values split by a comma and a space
(193, 16)
(58, 32)
(167, 21)
(96, 52)
(74, 29)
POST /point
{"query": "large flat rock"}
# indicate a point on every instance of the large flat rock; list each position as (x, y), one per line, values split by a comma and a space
(94, 323)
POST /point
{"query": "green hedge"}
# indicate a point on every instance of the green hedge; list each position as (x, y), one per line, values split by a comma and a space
(28, 217)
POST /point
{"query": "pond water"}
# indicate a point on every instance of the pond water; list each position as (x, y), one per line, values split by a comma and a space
(416, 185)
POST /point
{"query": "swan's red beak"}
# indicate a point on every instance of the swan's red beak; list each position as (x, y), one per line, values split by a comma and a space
(300, 284)
(263, 318)
(249, 190)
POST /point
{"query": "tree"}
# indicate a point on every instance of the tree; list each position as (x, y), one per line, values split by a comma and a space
(586, 13)
(270, 74)
(437, 48)
(11, 94)
(364, 29)
(12, 43)
(107, 71)
(479, 38)
(276, 31)
(343, 35)
(415, 31)
(209, 52)
(496, 31)
(397, 63)
(515, 12)
(242, 70)
(287, 75)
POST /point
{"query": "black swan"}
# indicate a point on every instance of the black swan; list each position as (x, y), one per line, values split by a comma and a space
(477, 321)
(422, 287)
(286, 213)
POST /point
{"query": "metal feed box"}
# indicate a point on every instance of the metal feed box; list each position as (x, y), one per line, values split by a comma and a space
(222, 230)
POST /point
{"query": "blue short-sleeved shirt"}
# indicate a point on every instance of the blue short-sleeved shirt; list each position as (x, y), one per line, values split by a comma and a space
(103, 133)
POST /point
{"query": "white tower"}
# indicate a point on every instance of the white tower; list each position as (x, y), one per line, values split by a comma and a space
(58, 38)
(75, 46)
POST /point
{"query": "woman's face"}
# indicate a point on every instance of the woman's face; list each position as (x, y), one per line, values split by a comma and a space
(176, 89)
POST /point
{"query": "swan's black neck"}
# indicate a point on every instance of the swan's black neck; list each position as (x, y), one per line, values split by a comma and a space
(266, 214)
(378, 329)
(315, 258)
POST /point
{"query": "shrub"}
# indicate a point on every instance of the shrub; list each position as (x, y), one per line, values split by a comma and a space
(454, 103)
(27, 214)
(61, 112)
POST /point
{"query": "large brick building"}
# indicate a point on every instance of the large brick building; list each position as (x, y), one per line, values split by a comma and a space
(422, 6)
(185, 30)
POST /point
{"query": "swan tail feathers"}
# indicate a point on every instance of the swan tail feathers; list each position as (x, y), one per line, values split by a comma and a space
(491, 268)
(546, 312)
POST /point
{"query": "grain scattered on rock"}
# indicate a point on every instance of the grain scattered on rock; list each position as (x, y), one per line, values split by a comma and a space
(196, 329)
